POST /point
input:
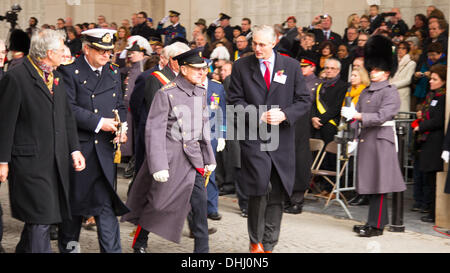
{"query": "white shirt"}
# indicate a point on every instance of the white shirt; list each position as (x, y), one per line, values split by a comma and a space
(262, 66)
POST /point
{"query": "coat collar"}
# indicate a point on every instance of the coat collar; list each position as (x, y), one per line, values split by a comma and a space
(39, 82)
(89, 79)
(375, 86)
(258, 78)
(188, 87)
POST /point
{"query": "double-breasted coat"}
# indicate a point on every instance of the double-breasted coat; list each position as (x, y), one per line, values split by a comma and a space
(177, 139)
(378, 167)
(248, 88)
(91, 98)
(37, 138)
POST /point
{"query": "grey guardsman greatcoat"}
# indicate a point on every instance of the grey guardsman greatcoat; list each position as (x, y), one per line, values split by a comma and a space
(177, 139)
(378, 166)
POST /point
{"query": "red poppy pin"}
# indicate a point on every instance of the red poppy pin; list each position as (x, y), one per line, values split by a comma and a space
(56, 81)
(280, 72)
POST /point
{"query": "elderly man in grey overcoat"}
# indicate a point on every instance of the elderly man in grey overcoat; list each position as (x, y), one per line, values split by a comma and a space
(178, 154)
(377, 161)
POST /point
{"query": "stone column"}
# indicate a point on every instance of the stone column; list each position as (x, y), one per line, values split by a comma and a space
(443, 199)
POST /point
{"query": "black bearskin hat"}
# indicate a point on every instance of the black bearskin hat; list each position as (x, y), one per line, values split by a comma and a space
(19, 41)
(379, 53)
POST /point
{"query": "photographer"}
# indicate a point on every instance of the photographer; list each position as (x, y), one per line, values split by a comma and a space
(397, 26)
(323, 31)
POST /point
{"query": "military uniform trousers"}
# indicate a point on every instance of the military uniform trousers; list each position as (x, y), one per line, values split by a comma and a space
(265, 213)
(211, 188)
(108, 230)
(378, 211)
(197, 219)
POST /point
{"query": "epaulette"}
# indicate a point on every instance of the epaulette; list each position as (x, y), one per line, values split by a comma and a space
(115, 64)
(113, 70)
(216, 81)
(168, 86)
(67, 63)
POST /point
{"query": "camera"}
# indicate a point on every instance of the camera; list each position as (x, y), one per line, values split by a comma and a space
(11, 16)
(324, 16)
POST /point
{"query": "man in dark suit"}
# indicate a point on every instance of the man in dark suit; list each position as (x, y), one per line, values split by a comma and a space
(142, 29)
(325, 33)
(172, 31)
(258, 82)
(93, 88)
(37, 140)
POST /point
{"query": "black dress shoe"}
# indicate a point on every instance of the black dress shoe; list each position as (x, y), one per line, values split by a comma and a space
(244, 213)
(294, 209)
(369, 231)
(360, 200)
(358, 228)
(428, 218)
(215, 216)
(139, 250)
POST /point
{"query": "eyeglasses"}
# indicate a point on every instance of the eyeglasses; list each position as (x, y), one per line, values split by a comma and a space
(102, 51)
(331, 68)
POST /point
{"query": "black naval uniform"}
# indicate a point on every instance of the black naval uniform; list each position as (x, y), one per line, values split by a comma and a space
(92, 193)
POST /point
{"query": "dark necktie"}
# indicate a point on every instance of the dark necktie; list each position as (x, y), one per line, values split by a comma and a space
(97, 72)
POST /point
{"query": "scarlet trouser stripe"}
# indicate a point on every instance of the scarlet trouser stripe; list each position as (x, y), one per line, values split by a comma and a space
(138, 230)
(380, 211)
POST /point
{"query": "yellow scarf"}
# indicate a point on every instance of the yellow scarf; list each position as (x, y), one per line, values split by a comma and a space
(49, 81)
(355, 92)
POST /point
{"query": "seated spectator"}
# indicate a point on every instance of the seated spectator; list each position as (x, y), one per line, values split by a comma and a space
(327, 50)
(435, 55)
(402, 78)
(437, 33)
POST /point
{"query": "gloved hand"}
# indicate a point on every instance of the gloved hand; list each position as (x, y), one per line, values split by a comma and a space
(216, 22)
(210, 168)
(164, 20)
(348, 112)
(351, 147)
(220, 144)
(445, 156)
(161, 176)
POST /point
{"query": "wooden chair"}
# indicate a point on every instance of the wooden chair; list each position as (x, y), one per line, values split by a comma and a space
(317, 171)
(315, 146)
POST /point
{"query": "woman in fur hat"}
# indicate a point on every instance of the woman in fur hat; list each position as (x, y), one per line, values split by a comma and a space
(378, 167)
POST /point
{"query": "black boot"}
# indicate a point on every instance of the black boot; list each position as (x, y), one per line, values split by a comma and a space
(369, 231)
(359, 200)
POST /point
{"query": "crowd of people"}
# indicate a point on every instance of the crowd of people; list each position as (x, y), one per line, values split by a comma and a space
(108, 67)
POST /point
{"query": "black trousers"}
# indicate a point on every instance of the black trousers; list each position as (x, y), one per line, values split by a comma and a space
(1, 223)
(108, 232)
(197, 219)
(34, 239)
(378, 211)
(265, 213)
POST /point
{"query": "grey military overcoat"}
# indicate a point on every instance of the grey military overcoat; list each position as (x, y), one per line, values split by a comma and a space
(378, 167)
(177, 139)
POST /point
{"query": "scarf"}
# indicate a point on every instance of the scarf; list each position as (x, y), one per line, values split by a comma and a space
(426, 108)
(44, 70)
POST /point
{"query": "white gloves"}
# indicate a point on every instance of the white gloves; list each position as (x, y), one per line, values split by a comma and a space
(348, 112)
(445, 156)
(164, 20)
(161, 176)
(220, 144)
(351, 147)
(216, 22)
(210, 168)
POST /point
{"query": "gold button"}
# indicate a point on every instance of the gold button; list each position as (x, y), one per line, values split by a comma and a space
(96, 111)
(184, 145)
(76, 71)
(184, 133)
(84, 82)
(126, 89)
(171, 96)
(93, 96)
(174, 108)
(114, 94)
(361, 140)
(96, 141)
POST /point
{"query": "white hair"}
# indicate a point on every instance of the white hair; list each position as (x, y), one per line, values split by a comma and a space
(220, 53)
(43, 41)
(176, 48)
(265, 30)
(333, 60)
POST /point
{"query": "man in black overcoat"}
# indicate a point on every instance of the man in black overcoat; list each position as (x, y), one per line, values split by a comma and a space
(259, 82)
(38, 141)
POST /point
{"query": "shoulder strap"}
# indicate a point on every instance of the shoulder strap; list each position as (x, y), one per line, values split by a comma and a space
(160, 76)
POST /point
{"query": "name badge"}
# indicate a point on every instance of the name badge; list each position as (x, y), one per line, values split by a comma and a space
(433, 102)
(280, 78)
